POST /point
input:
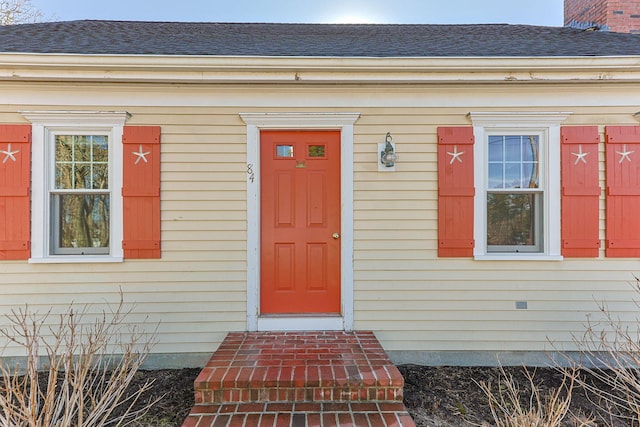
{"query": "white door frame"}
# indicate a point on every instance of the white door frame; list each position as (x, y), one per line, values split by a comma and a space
(294, 121)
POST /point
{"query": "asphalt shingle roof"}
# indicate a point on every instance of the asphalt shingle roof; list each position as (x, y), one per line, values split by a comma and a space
(311, 40)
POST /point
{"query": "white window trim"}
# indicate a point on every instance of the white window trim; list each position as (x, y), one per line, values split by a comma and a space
(548, 125)
(255, 122)
(44, 123)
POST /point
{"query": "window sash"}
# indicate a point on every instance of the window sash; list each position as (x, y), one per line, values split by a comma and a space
(530, 230)
(86, 187)
(99, 239)
(513, 161)
(81, 161)
(529, 161)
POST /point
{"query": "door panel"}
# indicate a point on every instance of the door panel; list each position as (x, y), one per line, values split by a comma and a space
(300, 222)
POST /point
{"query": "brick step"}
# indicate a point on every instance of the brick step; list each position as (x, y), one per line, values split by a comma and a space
(299, 367)
(305, 393)
(300, 415)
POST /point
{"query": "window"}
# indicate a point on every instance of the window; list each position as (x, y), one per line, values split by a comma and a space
(77, 164)
(517, 181)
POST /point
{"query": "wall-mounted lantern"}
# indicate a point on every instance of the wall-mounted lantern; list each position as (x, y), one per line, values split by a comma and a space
(388, 155)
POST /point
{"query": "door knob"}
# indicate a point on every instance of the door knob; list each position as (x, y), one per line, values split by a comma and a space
(336, 236)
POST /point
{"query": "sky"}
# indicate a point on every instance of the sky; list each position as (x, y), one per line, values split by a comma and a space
(534, 12)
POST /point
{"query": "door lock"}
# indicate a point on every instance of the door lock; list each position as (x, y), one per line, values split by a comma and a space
(335, 236)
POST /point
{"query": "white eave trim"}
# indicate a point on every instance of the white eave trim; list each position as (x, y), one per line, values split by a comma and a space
(300, 70)
(76, 118)
(299, 120)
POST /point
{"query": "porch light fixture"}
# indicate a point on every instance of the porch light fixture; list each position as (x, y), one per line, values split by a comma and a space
(388, 155)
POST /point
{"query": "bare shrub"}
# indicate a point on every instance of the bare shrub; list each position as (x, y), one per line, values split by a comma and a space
(77, 369)
(512, 406)
(610, 353)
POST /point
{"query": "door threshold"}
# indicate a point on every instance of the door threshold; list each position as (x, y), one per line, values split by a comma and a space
(312, 322)
(298, 315)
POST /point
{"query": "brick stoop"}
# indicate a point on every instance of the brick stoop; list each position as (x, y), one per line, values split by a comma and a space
(299, 379)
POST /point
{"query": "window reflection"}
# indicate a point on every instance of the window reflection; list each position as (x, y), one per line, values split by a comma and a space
(284, 151)
(511, 219)
(84, 221)
(316, 151)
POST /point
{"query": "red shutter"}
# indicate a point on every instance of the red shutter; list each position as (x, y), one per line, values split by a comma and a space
(141, 191)
(455, 191)
(15, 179)
(623, 191)
(580, 191)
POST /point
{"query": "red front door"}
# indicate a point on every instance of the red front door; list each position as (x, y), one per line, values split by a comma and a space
(300, 222)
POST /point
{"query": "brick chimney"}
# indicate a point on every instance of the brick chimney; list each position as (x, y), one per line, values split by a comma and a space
(621, 16)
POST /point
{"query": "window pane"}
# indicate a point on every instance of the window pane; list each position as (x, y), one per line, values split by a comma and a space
(83, 220)
(512, 148)
(64, 148)
(530, 149)
(495, 149)
(100, 176)
(284, 150)
(100, 148)
(82, 176)
(316, 151)
(64, 176)
(511, 219)
(82, 149)
(512, 178)
(496, 179)
(530, 171)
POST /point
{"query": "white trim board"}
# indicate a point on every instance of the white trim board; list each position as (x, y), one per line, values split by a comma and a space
(540, 95)
(255, 122)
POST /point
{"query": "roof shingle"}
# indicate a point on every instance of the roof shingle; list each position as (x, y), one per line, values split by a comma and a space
(311, 40)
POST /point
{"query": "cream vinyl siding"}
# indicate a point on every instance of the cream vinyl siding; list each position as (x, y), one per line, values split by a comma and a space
(412, 299)
(196, 293)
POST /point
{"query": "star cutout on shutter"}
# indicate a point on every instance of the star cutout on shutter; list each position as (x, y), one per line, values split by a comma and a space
(624, 154)
(141, 155)
(9, 154)
(580, 156)
(455, 155)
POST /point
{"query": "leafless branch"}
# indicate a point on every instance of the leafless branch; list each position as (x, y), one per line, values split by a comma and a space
(89, 362)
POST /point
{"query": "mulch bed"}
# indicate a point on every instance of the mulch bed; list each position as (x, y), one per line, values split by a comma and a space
(434, 396)
(451, 396)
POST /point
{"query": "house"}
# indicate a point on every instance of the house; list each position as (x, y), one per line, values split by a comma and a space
(467, 192)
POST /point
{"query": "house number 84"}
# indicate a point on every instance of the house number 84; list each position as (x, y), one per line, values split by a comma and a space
(250, 172)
